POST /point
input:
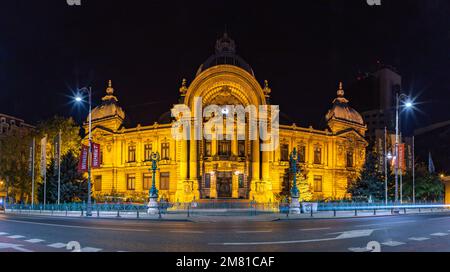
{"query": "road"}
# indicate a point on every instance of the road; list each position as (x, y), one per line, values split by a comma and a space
(421, 232)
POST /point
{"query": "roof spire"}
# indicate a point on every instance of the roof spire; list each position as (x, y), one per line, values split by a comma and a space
(109, 93)
(183, 88)
(340, 92)
(267, 90)
(110, 89)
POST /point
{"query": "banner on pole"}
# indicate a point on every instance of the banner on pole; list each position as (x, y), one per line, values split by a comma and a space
(83, 162)
(401, 155)
(44, 156)
(31, 158)
(96, 155)
(57, 150)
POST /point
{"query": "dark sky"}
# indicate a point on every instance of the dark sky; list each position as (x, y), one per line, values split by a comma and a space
(146, 47)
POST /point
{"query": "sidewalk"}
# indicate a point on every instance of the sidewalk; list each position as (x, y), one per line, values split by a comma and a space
(227, 215)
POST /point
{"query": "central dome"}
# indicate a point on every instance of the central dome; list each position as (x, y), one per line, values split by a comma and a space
(342, 111)
(225, 54)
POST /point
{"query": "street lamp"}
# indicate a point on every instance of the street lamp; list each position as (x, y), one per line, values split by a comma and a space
(153, 194)
(407, 104)
(79, 99)
(295, 193)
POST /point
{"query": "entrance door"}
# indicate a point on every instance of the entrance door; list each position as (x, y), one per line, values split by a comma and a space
(224, 184)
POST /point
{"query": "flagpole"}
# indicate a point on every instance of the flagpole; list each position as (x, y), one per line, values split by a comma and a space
(385, 167)
(413, 172)
(59, 166)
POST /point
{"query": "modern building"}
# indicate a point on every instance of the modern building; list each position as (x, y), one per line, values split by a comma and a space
(234, 169)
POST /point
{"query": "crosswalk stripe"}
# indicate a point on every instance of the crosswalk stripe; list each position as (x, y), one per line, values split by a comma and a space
(90, 249)
(3, 233)
(439, 234)
(392, 243)
(34, 241)
(418, 238)
(57, 245)
(15, 236)
(359, 249)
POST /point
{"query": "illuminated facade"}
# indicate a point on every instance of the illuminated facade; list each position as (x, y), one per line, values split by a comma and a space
(237, 169)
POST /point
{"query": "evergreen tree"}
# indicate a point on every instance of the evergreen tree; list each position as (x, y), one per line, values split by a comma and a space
(73, 185)
(370, 184)
(428, 186)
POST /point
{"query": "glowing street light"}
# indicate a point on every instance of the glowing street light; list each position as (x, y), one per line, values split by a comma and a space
(79, 99)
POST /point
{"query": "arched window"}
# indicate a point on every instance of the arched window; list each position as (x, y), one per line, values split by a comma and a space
(317, 155)
(349, 158)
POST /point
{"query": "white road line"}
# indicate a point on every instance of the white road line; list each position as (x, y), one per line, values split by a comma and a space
(439, 234)
(387, 223)
(16, 236)
(253, 231)
(359, 249)
(418, 238)
(34, 241)
(57, 245)
(392, 243)
(90, 249)
(313, 229)
(186, 231)
(3, 233)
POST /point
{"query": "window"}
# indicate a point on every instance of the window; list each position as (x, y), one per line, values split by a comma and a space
(284, 152)
(164, 181)
(349, 159)
(98, 183)
(146, 181)
(241, 148)
(207, 181)
(147, 152)
(241, 181)
(132, 153)
(131, 182)
(318, 184)
(224, 148)
(165, 149)
(208, 151)
(302, 153)
(317, 155)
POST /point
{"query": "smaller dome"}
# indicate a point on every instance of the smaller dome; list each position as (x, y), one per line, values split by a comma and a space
(109, 107)
(342, 111)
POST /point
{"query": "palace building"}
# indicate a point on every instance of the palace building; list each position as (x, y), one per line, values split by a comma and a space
(232, 169)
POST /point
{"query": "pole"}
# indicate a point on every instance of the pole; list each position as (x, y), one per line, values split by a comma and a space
(32, 171)
(59, 166)
(385, 167)
(45, 188)
(89, 208)
(396, 149)
(401, 186)
(413, 173)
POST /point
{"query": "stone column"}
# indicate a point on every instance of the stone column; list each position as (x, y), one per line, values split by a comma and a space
(193, 165)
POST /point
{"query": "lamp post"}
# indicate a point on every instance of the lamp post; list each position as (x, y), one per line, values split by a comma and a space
(80, 99)
(408, 104)
(153, 194)
(294, 207)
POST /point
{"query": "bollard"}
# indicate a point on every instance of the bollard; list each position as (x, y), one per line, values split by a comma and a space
(40, 209)
(159, 212)
(66, 211)
(82, 212)
(118, 213)
(312, 211)
(334, 212)
(404, 210)
(392, 211)
(356, 212)
(374, 211)
(52, 210)
(188, 210)
(137, 212)
(98, 212)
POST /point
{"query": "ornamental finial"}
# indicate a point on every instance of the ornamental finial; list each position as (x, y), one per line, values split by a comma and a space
(340, 92)
(183, 88)
(110, 89)
(267, 90)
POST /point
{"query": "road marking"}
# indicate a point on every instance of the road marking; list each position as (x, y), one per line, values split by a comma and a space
(186, 231)
(90, 249)
(418, 238)
(343, 235)
(15, 236)
(34, 241)
(3, 233)
(313, 229)
(359, 249)
(14, 246)
(392, 243)
(253, 231)
(439, 234)
(387, 223)
(57, 245)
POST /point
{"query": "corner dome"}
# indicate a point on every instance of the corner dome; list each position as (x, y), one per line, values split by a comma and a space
(109, 106)
(225, 54)
(342, 111)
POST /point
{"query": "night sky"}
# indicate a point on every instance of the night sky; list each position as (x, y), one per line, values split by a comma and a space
(48, 48)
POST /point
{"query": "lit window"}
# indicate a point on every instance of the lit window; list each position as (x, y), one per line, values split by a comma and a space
(146, 181)
(98, 183)
(284, 152)
(208, 148)
(207, 181)
(317, 155)
(164, 181)
(349, 159)
(147, 152)
(224, 148)
(241, 148)
(132, 153)
(318, 184)
(165, 148)
(131, 182)
(302, 153)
